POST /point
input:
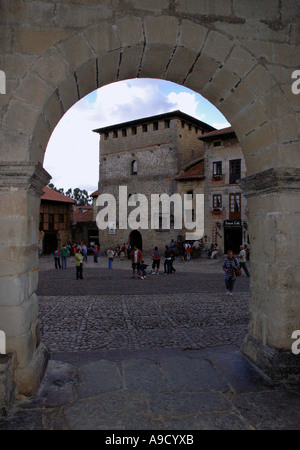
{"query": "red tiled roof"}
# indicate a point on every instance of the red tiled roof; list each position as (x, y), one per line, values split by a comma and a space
(215, 133)
(83, 214)
(54, 196)
(95, 194)
(194, 172)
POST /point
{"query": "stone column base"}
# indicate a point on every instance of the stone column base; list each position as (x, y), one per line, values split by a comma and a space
(7, 382)
(28, 378)
(275, 364)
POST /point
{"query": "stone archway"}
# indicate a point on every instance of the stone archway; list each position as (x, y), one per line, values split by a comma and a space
(239, 54)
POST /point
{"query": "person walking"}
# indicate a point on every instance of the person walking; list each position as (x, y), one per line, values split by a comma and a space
(188, 251)
(63, 255)
(230, 265)
(79, 265)
(136, 258)
(57, 259)
(155, 261)
(84, 252)
(110, 256)
(168, 261)
(123, 251)
(242, 260)
(96, 254)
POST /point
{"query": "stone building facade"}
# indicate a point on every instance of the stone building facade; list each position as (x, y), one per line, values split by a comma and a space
(226, 210)
(84, 228)
(146, 155)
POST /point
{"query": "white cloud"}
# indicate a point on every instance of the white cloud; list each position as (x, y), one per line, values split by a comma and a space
(220, 125)
(72, 155)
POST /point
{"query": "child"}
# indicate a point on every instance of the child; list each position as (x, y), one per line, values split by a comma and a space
(57, 259)
(143, 270)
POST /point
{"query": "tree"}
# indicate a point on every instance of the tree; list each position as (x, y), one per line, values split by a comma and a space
(81, 196)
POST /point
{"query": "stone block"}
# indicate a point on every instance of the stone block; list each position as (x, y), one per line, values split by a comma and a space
(29, 377)
(42, 132)
(87, 78)
(19, 118)
(103, 37)
(108, 66)
(260, 139)
(192, 36)
(23, 346)
(53, 110)
(76, 50)
(36, 152)
(203, 70)
(16, 320)
(16, 65)
(274, 103)
(130, 62)
(217, 46)
(7, 383)
(286, 129)
(17, 259)
(67, 92)
(256, 10)
(286, 55)
(220, 86)
(53, 67)
(240, 62)
(161, 30)
(155, 61)
(289, 154)
(260, 80)
(36, 41)
(250, 119)
(205, 7)
(130, 31)
(147, 5)
(180, 65)
(33, 83)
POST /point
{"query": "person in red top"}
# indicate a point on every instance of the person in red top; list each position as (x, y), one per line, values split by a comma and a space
(136, 258)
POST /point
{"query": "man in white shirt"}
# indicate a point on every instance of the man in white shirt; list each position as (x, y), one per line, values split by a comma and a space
(242, 260)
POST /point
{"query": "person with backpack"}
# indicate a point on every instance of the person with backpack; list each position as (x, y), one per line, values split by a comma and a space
(57, 259)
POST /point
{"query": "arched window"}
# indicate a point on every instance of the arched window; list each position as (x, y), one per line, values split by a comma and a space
(134, 168)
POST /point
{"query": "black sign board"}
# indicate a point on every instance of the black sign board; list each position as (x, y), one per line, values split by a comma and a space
(232, 223)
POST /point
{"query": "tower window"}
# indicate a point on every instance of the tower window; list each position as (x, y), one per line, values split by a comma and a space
(134, 168)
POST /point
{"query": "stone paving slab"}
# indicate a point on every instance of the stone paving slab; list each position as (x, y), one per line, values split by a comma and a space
(192, 392)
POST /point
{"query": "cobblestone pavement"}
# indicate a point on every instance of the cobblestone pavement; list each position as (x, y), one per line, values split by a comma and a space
(161, 354)
(188, 309)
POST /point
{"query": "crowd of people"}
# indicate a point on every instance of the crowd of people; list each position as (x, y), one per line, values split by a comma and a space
(231, 265)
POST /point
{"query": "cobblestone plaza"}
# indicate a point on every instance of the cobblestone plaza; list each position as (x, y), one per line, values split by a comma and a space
(110, 310)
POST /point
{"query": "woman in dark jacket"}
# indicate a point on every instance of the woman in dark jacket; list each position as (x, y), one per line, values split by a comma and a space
(230, 265)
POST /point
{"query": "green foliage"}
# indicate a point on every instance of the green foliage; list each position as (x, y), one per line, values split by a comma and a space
(81, 196)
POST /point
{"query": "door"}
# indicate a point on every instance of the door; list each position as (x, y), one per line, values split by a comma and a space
(233, 237)
(234, 206)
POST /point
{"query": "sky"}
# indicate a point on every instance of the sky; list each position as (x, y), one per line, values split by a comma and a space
(72, 154)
